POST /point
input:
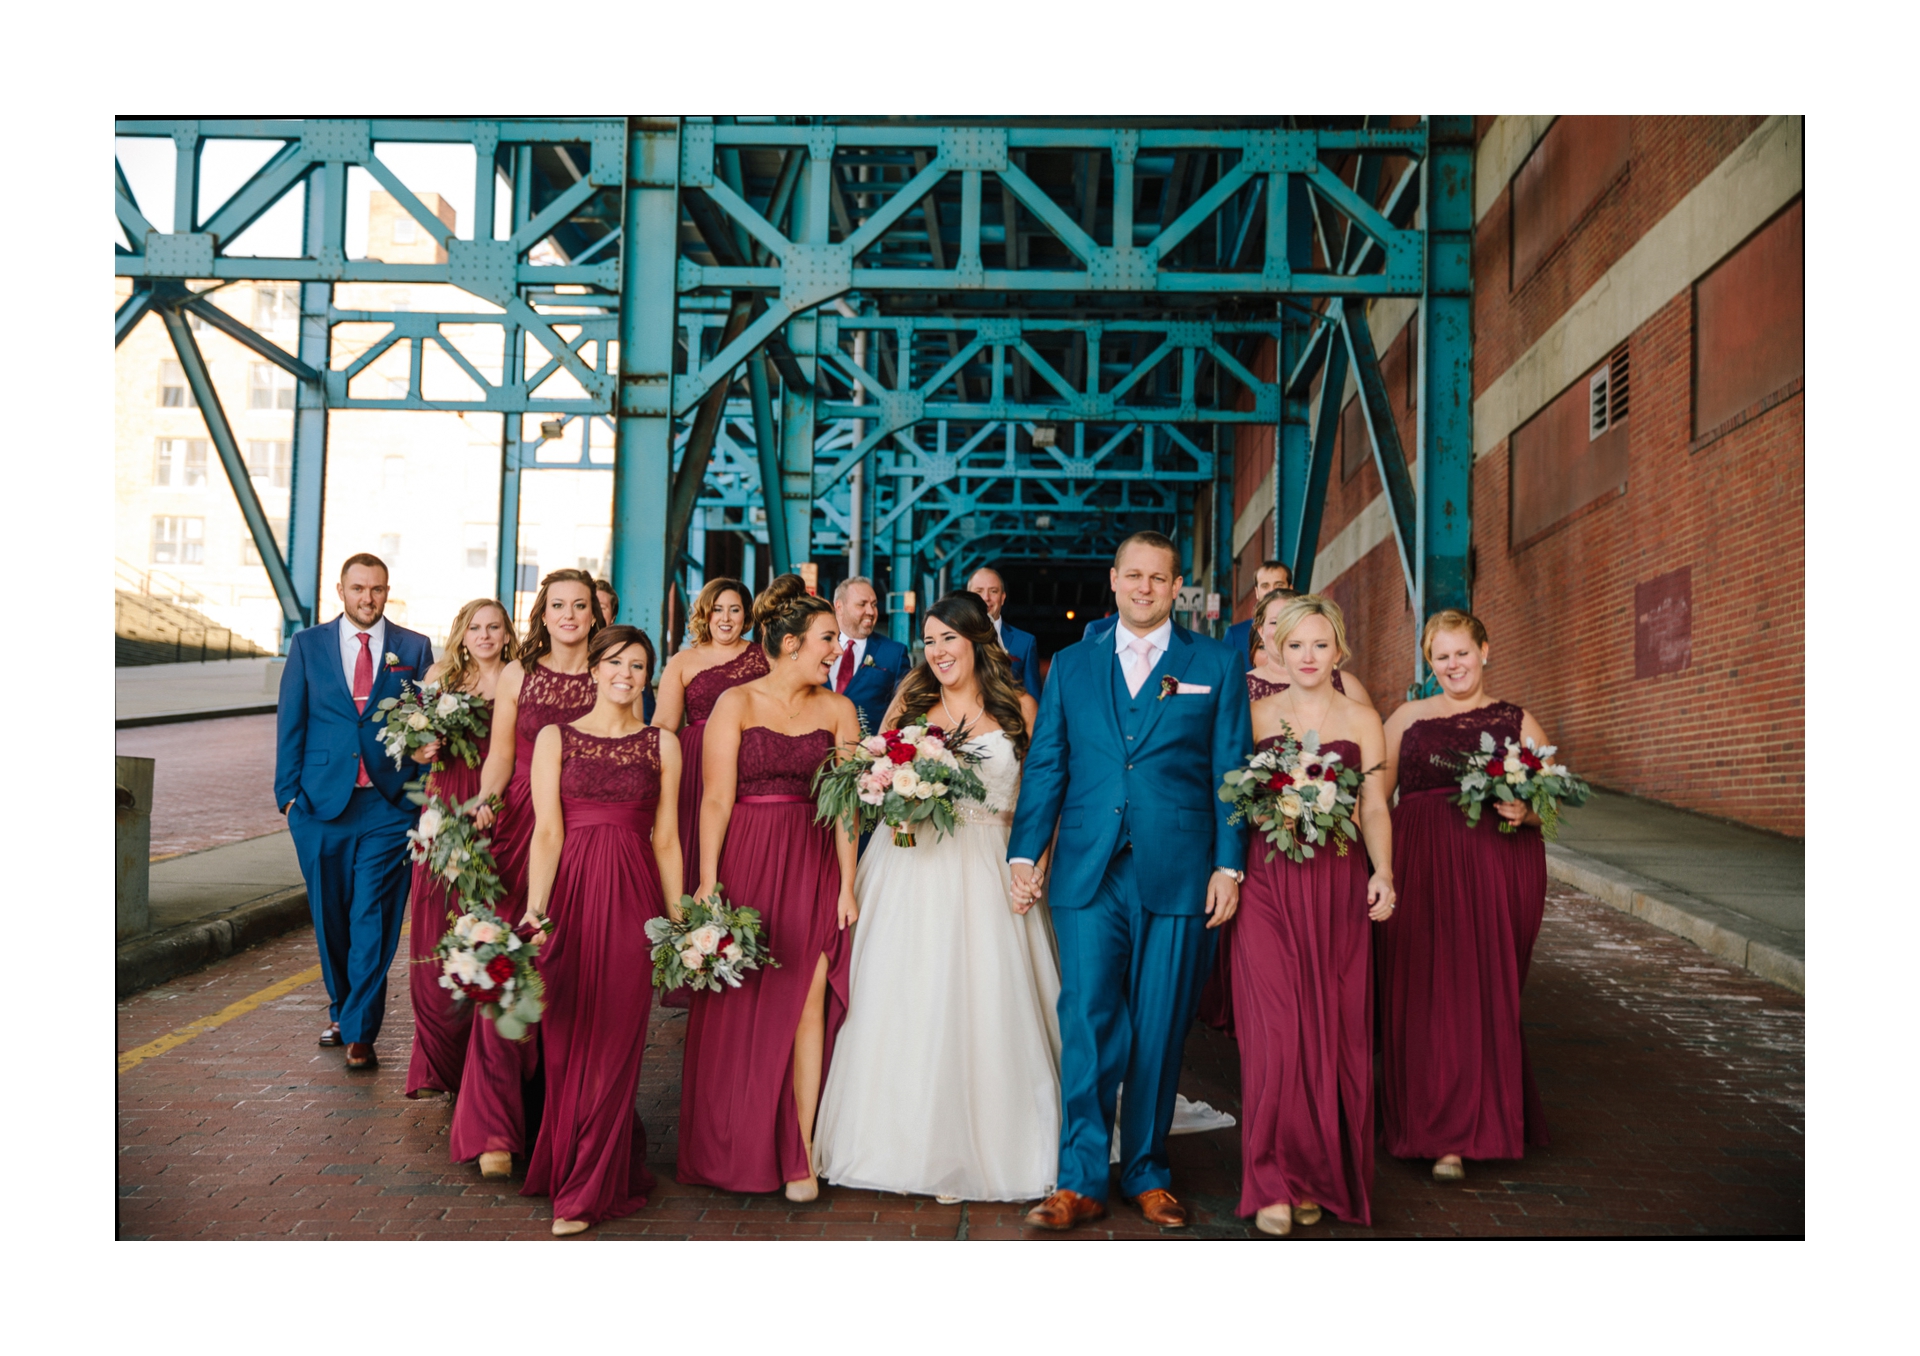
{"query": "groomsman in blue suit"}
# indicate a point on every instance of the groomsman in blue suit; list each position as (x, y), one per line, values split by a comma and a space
(870, 666)
(1145, 866)
(1017, 643)
(345, 801)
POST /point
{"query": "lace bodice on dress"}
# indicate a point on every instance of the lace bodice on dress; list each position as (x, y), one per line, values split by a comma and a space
(626, 769)
(775, 764)
(547, 698)
(708, 685)
(1445, 735)
(999, 771)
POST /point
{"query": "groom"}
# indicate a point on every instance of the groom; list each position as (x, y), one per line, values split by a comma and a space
(1146, 864)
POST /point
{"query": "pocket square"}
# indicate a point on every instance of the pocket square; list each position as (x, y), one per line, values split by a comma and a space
(1194, 689)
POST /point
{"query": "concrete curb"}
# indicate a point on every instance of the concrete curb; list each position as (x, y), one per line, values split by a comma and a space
(146, 961)
(180, 717)
(1746, 942)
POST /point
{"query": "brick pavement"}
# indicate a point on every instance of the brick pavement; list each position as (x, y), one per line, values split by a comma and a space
(1674, 1090)
(212, 781)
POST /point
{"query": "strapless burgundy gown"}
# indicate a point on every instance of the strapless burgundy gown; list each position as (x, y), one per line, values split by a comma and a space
(441, 1026)
(1450, 965)
(1216, 999)
(705, 689)
(1303, 996)
(491, 1113)
(591, 1154)
(739, 1127)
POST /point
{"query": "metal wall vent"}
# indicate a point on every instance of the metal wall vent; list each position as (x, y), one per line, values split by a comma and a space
(1607, 393)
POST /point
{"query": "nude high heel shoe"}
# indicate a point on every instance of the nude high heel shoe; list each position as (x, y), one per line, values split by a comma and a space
(802, 1192)
(563, 1228)
(1306, 1214)
(1449, 1169)
(497, 1164)
(1275, 1219)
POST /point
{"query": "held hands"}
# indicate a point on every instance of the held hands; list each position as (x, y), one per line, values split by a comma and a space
(849, 911)
(1380, 897)
(1028, 885)
(1223, 898)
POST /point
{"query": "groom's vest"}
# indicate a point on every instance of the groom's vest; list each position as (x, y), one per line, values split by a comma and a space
(1133, 709)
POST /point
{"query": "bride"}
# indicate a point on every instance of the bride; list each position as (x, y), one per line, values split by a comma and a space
(945, 1079)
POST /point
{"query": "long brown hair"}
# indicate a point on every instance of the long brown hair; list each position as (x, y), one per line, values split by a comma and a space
(784, 608)
(538, 643)
(702, 610)
(1000, 692)
(463, 670)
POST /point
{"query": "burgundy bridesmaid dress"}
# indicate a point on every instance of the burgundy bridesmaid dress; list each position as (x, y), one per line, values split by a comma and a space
(1303, 995)
(702, 693)
(490, 1115)
(441, 1026)
(1216, 998)
(739, 1126)
(1450, 965)
(591, 1154)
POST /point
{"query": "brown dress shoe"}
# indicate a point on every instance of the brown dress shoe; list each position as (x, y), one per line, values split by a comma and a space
(360, 1056)
(1064, 1209)
(1162, 1209)
(331, 1036)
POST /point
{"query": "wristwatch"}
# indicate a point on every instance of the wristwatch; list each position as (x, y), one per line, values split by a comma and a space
(1239, 877)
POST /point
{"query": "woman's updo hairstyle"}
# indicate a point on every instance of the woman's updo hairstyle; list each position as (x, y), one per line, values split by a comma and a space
(785, 608)
(1450, 619)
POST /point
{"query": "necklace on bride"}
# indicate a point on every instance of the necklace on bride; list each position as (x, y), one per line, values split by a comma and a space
(957, 721)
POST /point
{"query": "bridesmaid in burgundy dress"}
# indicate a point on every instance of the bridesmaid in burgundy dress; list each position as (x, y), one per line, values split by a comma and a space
(549, 684)
(1267, 677)
(757, 1056)
(720, 658)
(1454, 1076)
(606, 836)
(1300, 959)
(483, 644)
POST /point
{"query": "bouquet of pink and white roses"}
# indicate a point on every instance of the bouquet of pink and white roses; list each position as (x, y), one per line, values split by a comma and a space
(424, 713)
(481, 958)
(1303, 797)
(903, 778)
(712, 944)
(1521, 771)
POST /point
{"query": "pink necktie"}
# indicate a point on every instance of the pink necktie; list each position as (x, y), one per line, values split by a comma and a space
(1142, 651)
(362, 690)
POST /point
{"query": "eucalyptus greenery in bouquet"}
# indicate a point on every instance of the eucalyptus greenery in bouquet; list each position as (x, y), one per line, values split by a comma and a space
(426, 712)
(1521, 771)
(713, 944)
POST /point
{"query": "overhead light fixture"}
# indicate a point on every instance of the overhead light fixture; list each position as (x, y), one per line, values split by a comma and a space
(1043, 521)
(1045, 435)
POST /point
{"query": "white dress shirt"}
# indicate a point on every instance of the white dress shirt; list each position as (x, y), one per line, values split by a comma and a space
(350, 648)
(998, 634)
(1132, 666)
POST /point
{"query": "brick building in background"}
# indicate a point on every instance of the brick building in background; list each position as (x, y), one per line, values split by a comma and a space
(1639, 436)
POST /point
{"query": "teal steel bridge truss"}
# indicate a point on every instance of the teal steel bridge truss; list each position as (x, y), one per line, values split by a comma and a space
(919, 344)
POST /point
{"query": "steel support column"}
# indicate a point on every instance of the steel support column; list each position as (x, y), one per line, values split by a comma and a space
(643, 445)
(1445, 417)
(325, 225)
(1313, 493)
(773, 497)
(221, 432)
(797, 432)
(1292, 453)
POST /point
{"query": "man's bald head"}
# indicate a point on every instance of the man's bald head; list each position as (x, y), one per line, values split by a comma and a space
(991, 588)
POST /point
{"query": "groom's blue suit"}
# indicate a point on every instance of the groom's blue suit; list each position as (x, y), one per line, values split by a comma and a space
(1131, 781)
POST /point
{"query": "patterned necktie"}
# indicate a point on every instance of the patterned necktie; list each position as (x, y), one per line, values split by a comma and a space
(843, 672)
(363, 690)
(1142, 651)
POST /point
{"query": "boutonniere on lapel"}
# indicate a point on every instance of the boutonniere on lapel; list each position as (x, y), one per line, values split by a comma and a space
(867, 663)
(394, 665)
(1168, 686)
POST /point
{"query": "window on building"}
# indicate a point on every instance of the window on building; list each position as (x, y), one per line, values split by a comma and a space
(250, 554)
(1571, 454)
(527, 573)
(269, 387)
(175, 394)
(406, 230)
(591, 564)
(479, 545)
(276, 307)
(390, 548)
(180, 463)
(1576, 161)
(1750, 323)
(271, 461)
(179, 541)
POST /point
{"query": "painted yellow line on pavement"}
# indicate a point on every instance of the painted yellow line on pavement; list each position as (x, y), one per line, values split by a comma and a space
(142, 1053)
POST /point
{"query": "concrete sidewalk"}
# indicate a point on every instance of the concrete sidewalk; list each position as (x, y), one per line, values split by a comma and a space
(159, 694)
(209, 904)
(1736, 892)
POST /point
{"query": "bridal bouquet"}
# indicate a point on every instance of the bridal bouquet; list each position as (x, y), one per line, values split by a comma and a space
(1305, 798)
(481, 958)
(454, 851)
(903, 778)
(711, 945)
(1520, 772)
(426, 712)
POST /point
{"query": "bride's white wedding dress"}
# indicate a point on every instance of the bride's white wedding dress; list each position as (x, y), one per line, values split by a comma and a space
(945, 1079)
